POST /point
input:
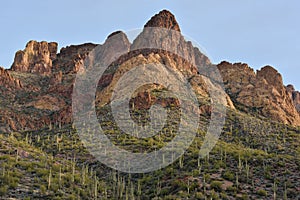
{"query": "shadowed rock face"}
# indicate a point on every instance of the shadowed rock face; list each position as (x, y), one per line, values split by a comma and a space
(40, 81)
(294, 95)
(37, 57)
(70, 58)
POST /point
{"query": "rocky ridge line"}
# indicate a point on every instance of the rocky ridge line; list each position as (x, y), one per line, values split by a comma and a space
(48, 95)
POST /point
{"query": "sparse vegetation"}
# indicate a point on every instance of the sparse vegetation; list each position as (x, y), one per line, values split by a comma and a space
(238, 167)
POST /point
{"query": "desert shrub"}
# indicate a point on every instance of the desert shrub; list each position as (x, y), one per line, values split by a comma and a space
(219, 164)
(216, 185)
(232, 189)
(3, 190)
(228, 175)
(10, 181)
(224, 196)
(214, 195)
(207, 178)
(200, 196)
(262, 192)
(179, 185)
(43, 189)
(42, 172)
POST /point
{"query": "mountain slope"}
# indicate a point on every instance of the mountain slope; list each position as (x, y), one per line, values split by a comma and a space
(42, 157)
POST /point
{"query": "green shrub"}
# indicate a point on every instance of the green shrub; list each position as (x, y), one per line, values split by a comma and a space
(219, 164)
(40, 172)
(43, 189)
(224, 196)
(232, 189)
(179, 185)
(207, 178)
(200, 196)
(182, 194)
(228, 175)
(3, 190)
(214, 195)
(10, 181)
(216, 185)
(262, 192)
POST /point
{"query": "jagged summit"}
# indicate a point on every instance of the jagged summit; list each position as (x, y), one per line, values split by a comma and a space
(41, 80)
(37, 57)
(164, 19)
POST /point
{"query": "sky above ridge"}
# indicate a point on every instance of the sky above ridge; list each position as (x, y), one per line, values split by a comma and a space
(251, 31)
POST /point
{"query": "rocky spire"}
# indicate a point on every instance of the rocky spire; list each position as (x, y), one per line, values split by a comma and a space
(164, 19)
(37, 57)
(162, 35)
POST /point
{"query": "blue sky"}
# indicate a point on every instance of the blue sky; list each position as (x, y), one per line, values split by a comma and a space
(257, 32)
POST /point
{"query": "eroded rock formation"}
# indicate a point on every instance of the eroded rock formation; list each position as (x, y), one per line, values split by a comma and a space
(262, 91)
(37, 90)
(37, 57)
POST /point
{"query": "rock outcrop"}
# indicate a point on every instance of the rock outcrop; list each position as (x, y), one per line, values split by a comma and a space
(164, 19)
(262, 92)
(37, 58)
(70, 58)
(295, 96)
(7, 81)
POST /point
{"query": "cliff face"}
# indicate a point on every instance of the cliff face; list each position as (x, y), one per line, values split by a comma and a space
(262, 92)
(40, 81)
(294, 95)
(162, 47)
(37, 57)
(36, 91)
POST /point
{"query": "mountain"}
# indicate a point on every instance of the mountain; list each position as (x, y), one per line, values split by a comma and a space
(47, 78)
(261, 132)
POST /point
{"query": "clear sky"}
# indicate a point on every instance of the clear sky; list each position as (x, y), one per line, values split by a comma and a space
(257, 32)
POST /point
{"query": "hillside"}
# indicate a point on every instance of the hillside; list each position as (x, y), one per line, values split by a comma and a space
(43, 154)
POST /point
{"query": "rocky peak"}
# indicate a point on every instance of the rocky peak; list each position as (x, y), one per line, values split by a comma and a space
(272, 76)
(116, 33)
(115, 45)
(164, 19)
(36, 58)
(262, 92)
(117, 37)
(161, 35)
(236, 76)
(290, 88)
